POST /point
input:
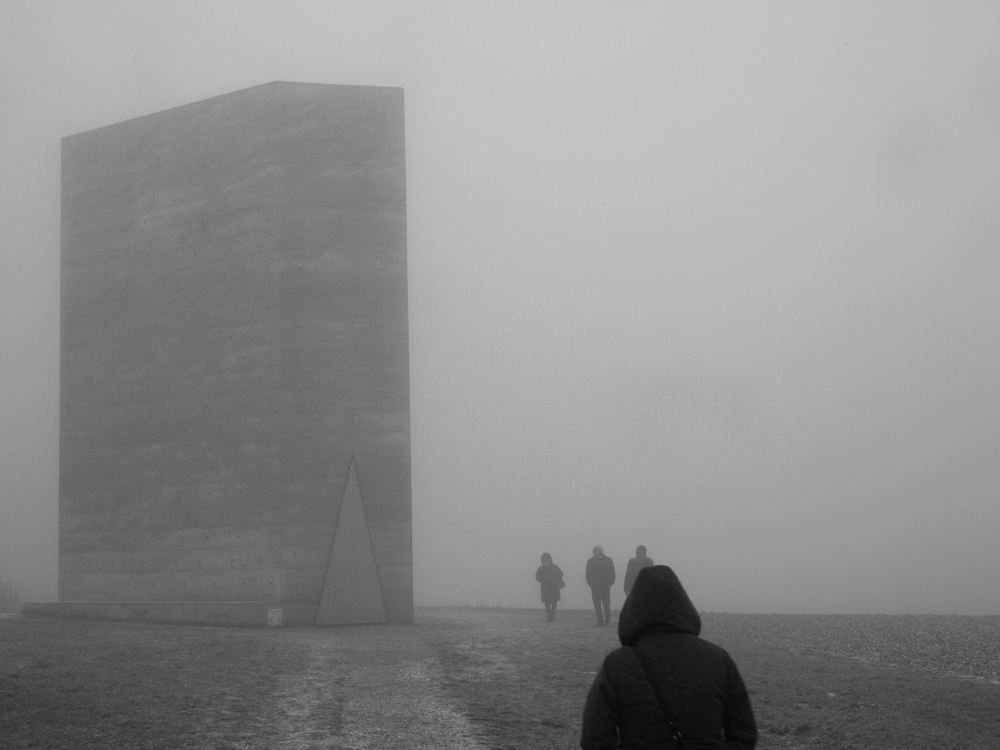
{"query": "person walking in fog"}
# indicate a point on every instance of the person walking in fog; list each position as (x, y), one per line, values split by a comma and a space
(665, 682)
(600, 576)
(636, 564)
(551, 578)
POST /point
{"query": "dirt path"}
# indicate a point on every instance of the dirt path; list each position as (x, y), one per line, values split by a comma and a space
(367, 688)
(461, 679)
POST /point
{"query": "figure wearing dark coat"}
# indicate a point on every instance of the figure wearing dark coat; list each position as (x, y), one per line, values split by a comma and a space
(551, 578)
(600, 575)
(703, 688)
(634, 566)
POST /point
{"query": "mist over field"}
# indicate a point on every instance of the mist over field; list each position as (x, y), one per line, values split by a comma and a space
(719, 280)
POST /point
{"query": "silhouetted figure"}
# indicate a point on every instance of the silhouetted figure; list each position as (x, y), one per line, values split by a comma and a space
(600, 576)
(636, 564)
(551, 578)
(698, 681)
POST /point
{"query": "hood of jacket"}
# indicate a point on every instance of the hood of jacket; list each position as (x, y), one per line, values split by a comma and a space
(657, 601)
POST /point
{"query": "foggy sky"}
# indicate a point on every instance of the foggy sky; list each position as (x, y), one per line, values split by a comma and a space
(717, 279)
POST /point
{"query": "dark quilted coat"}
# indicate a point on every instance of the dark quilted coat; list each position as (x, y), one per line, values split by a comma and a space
(703, 687)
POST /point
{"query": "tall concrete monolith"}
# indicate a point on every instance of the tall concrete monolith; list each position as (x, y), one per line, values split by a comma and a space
(235, 431)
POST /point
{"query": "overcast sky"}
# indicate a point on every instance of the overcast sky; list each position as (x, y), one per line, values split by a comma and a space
(719, 279)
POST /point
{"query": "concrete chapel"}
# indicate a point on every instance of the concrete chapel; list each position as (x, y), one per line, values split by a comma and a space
(235, 429)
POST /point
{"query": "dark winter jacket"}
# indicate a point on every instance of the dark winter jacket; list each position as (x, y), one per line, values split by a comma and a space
(703, 688)
(600, 572)
(551, 578)
(634, 566)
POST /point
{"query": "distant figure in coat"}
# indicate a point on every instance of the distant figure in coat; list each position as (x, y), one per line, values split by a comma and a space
(636, 564)
(697, 680)
(600, 576)
(551, 578)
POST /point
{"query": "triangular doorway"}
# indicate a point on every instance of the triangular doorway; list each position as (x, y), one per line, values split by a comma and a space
(352, 594)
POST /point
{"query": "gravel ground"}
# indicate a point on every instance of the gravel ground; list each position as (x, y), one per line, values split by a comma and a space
(950, 646)
(473, 678)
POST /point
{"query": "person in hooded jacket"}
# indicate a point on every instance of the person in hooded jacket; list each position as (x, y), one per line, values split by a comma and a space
(703, 689)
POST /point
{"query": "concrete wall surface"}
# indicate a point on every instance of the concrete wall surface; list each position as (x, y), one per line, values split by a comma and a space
(234, 334)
